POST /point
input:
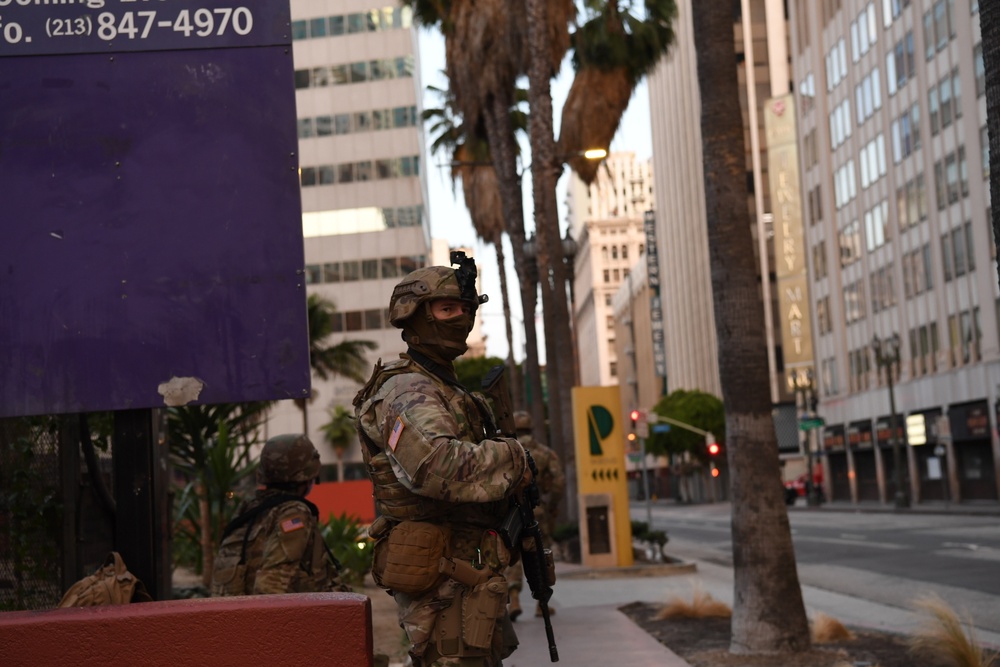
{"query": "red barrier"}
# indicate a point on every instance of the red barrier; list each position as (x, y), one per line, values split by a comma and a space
(296, 629)
(353, 497)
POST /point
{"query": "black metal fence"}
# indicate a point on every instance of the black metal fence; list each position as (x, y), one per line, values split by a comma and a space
(53, 527)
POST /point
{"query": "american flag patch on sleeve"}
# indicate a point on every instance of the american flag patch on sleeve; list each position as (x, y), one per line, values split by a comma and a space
(397, 430)
(288, 525)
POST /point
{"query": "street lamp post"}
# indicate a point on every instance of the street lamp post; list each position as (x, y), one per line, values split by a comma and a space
(804, 391)
(569, 248)
(887, 356)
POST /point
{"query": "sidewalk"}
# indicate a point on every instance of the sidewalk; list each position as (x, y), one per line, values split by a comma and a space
(589, 630)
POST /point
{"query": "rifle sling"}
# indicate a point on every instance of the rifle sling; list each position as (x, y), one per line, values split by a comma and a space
(439, 372)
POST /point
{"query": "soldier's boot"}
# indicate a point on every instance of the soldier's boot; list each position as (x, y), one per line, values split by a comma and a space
(538, 610)
(514, 604)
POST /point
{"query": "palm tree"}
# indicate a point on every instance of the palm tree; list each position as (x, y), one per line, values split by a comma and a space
(484, 54)
(346, 358)
(768, 615)
(339, 432)
(469, 152)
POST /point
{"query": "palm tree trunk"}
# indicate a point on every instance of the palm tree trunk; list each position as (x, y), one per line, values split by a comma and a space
(989, 24)
(551, 265)
(500, 134)
(515, 378)
(768, 614)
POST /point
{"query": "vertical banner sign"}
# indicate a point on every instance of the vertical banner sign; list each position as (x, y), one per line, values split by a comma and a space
(655, 305)
(152, 250)
(600, 457)
(789, 238)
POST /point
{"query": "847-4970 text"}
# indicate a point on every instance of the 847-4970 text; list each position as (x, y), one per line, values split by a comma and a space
(200, 22)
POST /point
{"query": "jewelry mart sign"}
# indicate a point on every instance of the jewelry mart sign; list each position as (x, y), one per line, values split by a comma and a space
(789, 246)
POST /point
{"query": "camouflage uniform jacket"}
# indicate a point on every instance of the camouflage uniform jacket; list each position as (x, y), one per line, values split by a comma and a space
(551, 482)
(285, 553)
(429, 454)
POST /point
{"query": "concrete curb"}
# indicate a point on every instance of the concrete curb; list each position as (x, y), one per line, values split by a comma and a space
(573, 571)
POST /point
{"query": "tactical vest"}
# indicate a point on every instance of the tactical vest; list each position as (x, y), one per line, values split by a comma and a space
(241, 552)
(393, 500)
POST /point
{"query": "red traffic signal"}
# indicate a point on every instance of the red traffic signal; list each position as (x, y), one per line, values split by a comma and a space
(634, 416)
(713, 449)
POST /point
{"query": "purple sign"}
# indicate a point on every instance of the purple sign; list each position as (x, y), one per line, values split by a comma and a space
(152, 249)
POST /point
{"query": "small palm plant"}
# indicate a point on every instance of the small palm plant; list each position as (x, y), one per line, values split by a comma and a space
(339, 432)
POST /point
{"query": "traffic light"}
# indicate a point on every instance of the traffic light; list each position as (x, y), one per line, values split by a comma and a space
(634, 416)
(713, 453)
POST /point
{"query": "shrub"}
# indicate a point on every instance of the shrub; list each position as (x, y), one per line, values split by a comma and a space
(350, 545)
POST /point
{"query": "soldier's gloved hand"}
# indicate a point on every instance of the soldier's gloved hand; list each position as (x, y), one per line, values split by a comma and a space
(525, 481)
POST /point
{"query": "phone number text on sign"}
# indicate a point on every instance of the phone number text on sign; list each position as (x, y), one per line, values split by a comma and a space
(31, 27)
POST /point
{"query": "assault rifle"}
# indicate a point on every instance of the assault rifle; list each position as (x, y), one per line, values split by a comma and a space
(520, 528)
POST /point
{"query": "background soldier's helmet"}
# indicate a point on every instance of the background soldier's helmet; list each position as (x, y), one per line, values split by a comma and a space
(432, 282)
(288, 458)
(522, 421)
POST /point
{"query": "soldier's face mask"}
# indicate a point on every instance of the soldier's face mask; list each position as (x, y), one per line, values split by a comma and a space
(442, 340)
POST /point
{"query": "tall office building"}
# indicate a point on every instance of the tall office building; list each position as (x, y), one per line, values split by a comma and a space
(606, 220)
(365, 222)
(894, 162)
(688, 318)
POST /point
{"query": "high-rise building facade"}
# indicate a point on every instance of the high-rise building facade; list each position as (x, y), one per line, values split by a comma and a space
(761, 60)
(894, 163)
(606, 220)
(365, 222)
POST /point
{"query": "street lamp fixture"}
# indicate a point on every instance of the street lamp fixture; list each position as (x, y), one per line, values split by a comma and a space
(886, 353)
(805, 393)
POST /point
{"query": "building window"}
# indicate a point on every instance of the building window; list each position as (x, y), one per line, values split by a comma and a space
(607, 275)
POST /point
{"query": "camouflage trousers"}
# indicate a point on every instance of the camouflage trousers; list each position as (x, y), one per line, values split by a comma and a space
(420, 614)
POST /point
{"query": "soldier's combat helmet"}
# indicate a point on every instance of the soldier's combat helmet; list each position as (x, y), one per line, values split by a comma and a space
(435, 282)
(288, 458)
(522, 421)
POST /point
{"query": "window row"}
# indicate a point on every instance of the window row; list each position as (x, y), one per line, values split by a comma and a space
(900, 65)
(877, 230)
(917, 275)
(911, 202)
(383, 18)
(844, 186)
(359, 72)
(883, 288)
(939, 27)
(872, 161)
(892, 10)
(363, 269)
(807, 93)
(850, 243)
(868, 97)
(356, 172)
(859, 369)
(924, 347)
(945, 102)
(815, 199)
(819, 261)
(863, 32)
(836, 64)
(906, 134)
(824, 318)
(614, 252)
(840, 124)
(361, 121)
(615, 274)
(951, 178)
(854, 302)
(964, 335)
(957, 252)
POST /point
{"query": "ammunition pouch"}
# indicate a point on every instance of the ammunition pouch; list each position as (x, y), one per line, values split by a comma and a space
(407, 561)
(466, 628)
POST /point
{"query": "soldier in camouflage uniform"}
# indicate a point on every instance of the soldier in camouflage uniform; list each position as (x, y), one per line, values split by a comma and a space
(273, 545)
(436, 462)
(551, 485)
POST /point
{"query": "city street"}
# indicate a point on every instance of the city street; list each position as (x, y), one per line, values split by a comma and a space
(878, 557)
